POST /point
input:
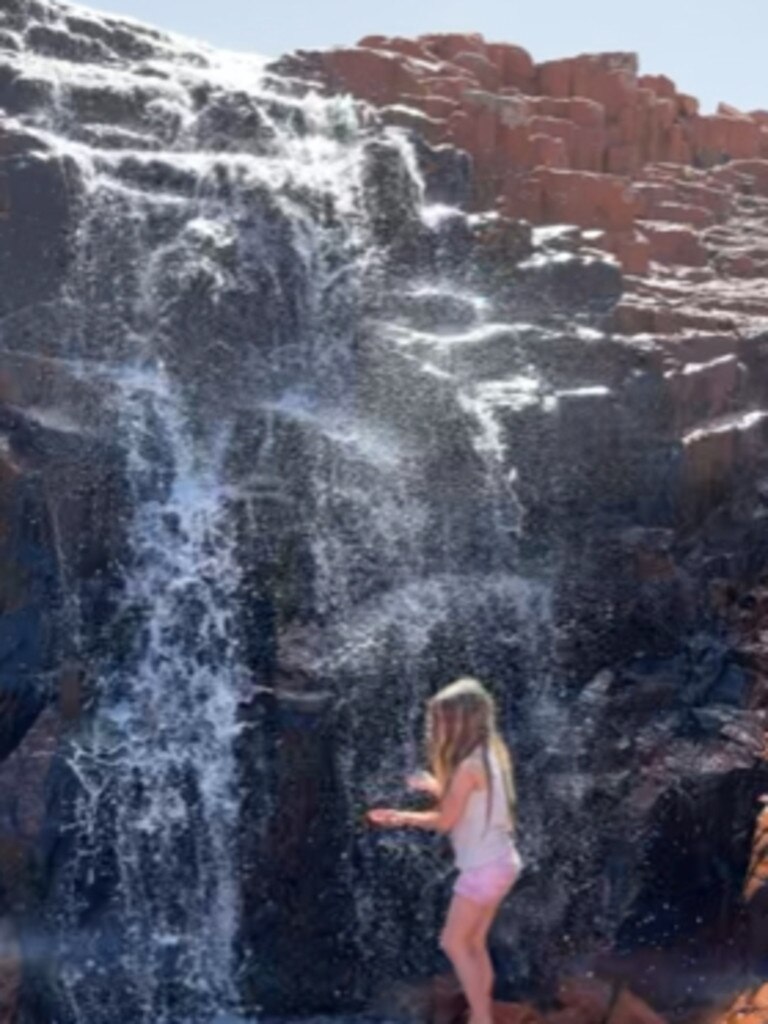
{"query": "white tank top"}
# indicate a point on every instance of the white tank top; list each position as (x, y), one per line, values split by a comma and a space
(480, 837)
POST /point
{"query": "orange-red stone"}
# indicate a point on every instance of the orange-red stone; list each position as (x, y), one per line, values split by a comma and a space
(515, 65)
(373, 75)
(659, 84)
(588, 200)
(448, 44)
(584, 141)
(395, 44)
(674, 244)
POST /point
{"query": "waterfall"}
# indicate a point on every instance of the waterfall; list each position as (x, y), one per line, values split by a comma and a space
(319, 511)
(288, 440)
(156, 771)
(261, 241)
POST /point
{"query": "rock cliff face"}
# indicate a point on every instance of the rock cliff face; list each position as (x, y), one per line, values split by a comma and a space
(680, 197)
(294, 428)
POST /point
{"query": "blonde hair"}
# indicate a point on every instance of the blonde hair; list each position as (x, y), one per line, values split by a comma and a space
(461, 718)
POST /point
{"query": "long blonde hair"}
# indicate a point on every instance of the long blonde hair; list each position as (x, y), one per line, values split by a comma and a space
(461, 718)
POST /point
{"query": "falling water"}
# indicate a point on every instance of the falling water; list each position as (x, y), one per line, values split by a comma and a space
(150, 897)
(156, 768)
(226, 270)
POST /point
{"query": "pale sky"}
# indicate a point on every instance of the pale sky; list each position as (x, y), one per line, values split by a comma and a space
(714, 49)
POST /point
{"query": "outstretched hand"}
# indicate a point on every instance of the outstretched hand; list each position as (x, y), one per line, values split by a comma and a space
(385, 817)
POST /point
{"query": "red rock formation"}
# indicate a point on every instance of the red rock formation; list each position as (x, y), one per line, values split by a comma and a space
(611, 120)
(680, 198)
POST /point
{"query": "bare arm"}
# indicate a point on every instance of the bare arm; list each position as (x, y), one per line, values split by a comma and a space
(443, 818)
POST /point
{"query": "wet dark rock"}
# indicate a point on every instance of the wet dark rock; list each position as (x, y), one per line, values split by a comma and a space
(255, 320)
(104, 137)
(288, 908)
(429, 311)
(26, 592)
(234, 123)
(391, 195)
(9, 41)
(18, 140)
(54, 42)
(21, 95)
(131, 43)
(578, 283)
(52, 485)
(42, 195)
(14, 14)
(394, 388)
(500, 244)
(694, 884)
(447, 173)
(159, 174)
(109, 105)
(452, 241)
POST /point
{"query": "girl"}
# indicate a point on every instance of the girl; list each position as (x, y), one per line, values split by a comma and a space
(472, 781)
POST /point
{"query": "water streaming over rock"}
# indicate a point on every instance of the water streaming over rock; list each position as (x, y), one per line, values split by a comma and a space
(226, 246)
(316, 450)
(156, 810)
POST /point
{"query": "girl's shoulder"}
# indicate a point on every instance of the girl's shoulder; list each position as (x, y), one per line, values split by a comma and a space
(472, 767)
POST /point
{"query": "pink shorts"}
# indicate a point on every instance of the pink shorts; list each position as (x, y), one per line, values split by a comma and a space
(491, 882)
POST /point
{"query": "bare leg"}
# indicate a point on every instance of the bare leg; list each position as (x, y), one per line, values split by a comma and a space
(479, 940)
(462, 923)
